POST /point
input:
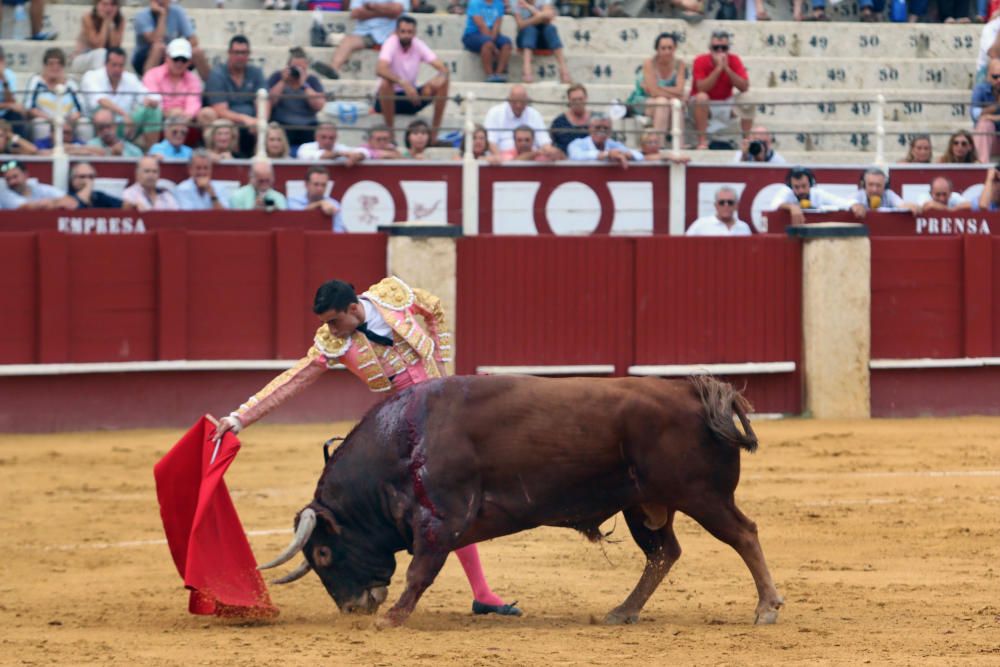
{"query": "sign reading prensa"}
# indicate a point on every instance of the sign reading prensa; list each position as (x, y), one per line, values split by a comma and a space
(952, 226)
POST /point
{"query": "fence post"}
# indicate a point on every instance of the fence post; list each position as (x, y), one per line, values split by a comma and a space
(470, 175)
(60, 163)
(880, 131)
(678, 171)
(262, 114)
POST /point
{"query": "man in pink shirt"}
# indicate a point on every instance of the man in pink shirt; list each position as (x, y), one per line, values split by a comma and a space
(180, 87)
(398, 66)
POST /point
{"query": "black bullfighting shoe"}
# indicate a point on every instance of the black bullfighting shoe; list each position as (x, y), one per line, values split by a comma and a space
(501, 609)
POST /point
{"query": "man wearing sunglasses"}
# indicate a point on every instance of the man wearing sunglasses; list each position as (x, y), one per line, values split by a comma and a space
(985, 110)
(725, 221)
(179, 87)
(599, 145)
(21, 195)
(714, 77)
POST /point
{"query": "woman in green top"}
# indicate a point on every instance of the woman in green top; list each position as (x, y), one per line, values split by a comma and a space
(660, 81)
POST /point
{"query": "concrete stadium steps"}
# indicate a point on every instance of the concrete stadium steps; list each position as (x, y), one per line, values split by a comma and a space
(582, 36)
(590, 68)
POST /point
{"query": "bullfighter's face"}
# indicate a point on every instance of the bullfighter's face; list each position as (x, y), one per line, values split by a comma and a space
(343, 323)
(357, 582)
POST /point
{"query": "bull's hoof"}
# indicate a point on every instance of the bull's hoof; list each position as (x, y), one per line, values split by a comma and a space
(619, 617)
(766, 617)
(390, 620)
(479, 608)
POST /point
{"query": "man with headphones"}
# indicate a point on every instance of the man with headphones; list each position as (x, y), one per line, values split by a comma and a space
(874, 193)
(800, 192)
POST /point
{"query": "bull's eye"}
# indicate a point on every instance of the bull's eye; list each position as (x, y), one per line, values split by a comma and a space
(322, 555)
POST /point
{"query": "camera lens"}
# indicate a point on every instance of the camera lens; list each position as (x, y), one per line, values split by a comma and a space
(755, 148)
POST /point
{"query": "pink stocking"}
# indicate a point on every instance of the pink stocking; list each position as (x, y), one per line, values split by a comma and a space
(469, 558)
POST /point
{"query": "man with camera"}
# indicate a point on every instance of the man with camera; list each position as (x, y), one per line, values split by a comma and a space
(296, 97)
(259, 194)
(757, 148)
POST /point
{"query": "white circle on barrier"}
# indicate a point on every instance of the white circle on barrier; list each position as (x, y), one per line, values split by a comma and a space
(572, 209)
(366, 205)
(762, 202)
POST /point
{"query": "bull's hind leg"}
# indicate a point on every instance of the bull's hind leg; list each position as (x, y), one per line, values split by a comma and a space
(662, 551)
(727, 523)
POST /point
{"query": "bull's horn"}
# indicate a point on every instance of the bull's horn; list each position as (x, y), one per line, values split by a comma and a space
(296, 574)
(307, 522)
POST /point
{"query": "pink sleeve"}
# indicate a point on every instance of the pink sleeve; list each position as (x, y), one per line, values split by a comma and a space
(388, 49)
(150, 80)
(280, 389)
(192, 102)
(427, 55)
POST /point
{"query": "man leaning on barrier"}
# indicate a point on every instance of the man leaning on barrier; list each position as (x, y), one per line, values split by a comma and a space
(800, 193)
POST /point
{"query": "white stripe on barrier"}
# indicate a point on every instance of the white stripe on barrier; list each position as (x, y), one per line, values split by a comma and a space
(963, 362)
(147, 366)
(592, 369)
(749, 368)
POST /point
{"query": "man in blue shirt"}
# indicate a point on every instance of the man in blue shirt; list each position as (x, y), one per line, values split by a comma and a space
(315, 197)
(158, 25)
(231, 90)
(985, 110)
(599, 146)
(482, 36)
(172, 147)
(19, 194)
(198, 192)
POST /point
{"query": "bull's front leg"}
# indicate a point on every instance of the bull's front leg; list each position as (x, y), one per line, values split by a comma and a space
(423, 569)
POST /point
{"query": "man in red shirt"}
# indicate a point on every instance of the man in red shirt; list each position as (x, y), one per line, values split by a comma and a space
(714, 76)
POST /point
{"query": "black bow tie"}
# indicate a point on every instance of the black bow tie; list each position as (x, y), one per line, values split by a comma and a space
(374, 337)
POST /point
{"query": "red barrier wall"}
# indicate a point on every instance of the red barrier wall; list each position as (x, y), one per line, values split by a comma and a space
(172, 294)
(552, 301)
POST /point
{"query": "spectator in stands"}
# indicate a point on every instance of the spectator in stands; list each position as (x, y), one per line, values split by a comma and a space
(504, 117)
(600, 146)
(660, 81)
(102, 28)
(231, 90)
(37, 17)
(398, 66)
(326, 147)
(172, 147)
(714, 76)
(374, 22)
(198, 192)
(259, 194)
(482, 149)
(800, 193)
(985, 110)
(19, 194)
(379, 145)
(416, 140)
(81, 189)
(870, 11)
(43, 104)
(276, 143)
(108, 141)
(136, 112)
(942, 197)
(725, 222)
(874, 193)
(757, 148)
(10, 109)
(961, 149)
(572, 123)
(146, 194)
(920, 150)
(156, 27)
(989, 198)
(179, 88)
(296, 97)
(317, 183)
(482, 36)
(536, 30)
(71, 144)
(221, 139)
(526, 149)
(818, 11)
(13, 144)
(989, 47)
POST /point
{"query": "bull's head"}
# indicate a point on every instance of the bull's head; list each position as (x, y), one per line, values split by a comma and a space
(356, 577)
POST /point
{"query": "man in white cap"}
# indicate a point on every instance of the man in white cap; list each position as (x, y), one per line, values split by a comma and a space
(179, 87)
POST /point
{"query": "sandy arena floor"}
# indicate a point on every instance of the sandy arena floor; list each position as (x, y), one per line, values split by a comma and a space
(883, 536)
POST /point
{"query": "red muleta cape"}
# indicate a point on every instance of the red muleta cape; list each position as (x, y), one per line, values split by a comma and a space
(206, 538)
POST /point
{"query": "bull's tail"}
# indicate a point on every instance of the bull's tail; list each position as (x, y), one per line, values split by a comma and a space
(722, 402)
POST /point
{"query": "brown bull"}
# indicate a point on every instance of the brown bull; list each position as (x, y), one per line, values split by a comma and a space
(465, 459)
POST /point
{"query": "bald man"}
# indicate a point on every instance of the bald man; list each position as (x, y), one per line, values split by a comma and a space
(259, 194)
(504, 118)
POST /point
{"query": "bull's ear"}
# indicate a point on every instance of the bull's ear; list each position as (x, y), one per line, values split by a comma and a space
(324, 515)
